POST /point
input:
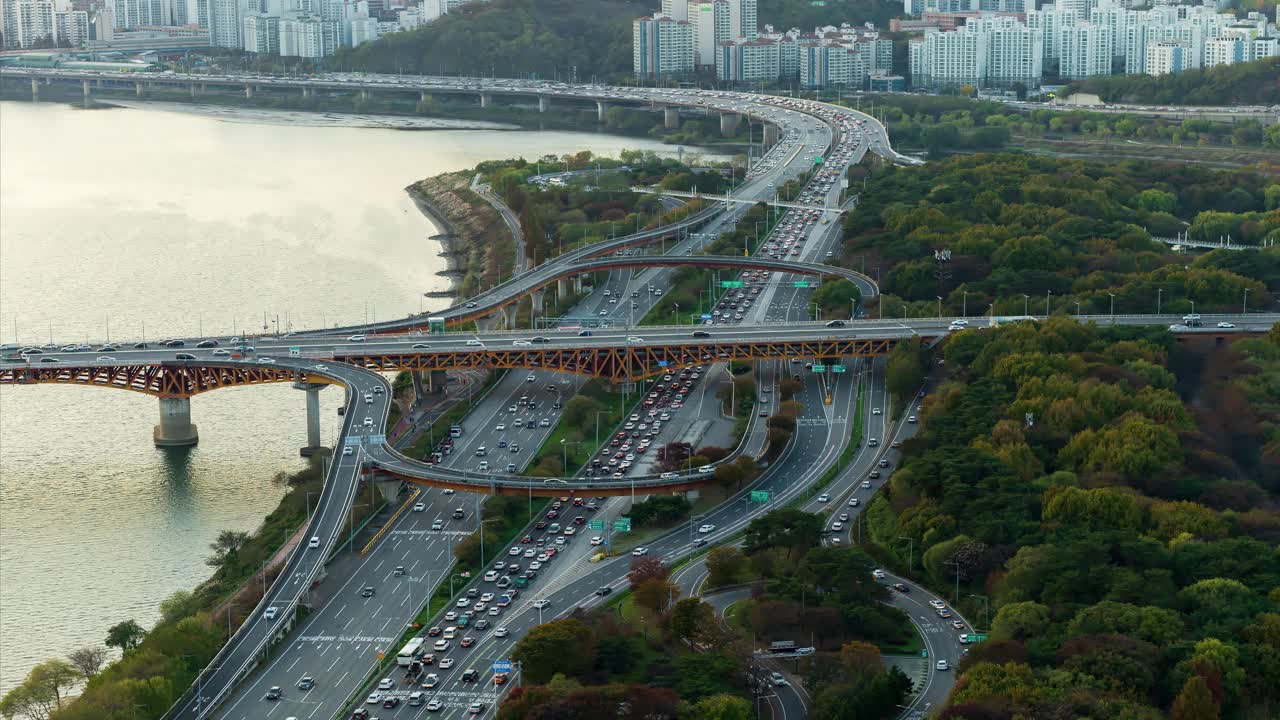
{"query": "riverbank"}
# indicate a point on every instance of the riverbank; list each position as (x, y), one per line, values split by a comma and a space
(478, 248)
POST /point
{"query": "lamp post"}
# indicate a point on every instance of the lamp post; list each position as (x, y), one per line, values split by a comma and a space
(939, 307)
(451, 577)
(964, 303)
(910, 546)
(564, 454)
(1159, 293)
(1244, 306)
(1025, 300)
(482, 524)
(1047, 295)
(1193, 307)
(1113, 308)
(598, 414)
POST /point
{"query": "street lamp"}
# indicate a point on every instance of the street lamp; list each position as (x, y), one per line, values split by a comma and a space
(1244, 307)
(1159, 293)
(955, 598)
(910, 546)
(964, 303)
(1113, 308)
(482, 524)
(564, 454)
(598, 414)
(939, 307)
(1025, 299)
(1047, 294)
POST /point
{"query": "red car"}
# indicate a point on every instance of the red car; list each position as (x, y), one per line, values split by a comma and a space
(526, 540)
(434, 631)
(467, 641)
(553, 514)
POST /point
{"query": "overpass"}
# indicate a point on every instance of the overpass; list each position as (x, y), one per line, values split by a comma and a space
(730, 198)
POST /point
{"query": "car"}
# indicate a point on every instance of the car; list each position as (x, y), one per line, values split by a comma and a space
(474, 343)
(942, 665)
(957, 624)
(901, 587)
(435, 706)
(391, 702)
(911, 419)
(777, 680)
(597, 540)
(373, 699)
(306, 683)
(522, 343)
(355, 338)
(367, 591)
(500, 632)
(386, 684)
(875, 411)
(274, 693)
(1226, 325)
(530, 378)
(420, 507)
(360, 714)
(706, 528)
(475, 708)
(937, 604)
(446, 663)
(430, 681)
(541, 603)
(420, 346)
(463, 602)
(640, 552)
(633, 339)
(347, 450)
(824, 498)
(603, 590)
(866, 484)
(878, 574)
(467, 642)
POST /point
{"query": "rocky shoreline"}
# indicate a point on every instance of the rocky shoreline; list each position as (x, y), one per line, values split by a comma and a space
(475, 243)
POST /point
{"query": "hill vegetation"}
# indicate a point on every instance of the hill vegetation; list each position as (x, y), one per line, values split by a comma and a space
(510, 38)
(1113, 494)
(1255, 83)
(1027, 230)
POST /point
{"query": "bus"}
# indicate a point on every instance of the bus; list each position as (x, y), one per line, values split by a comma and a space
(409, 652)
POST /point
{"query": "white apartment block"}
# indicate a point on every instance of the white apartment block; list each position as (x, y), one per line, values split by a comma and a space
(31, 21)
(678, 9)
(71, 27)
(709, 25)
(308, 36)
(1084, 50)
(363, 30)
(142, 13)
(661, 47)
(825, 62)
(226, 21)
(1169, 56)
(261, 33)
(742, 19)
(949, 58)
(749, 61)
(789, 50)
(1236, 48)
(1013, 52)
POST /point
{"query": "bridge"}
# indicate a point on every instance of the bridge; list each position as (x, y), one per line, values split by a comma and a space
(1223, 244)
(730, 198)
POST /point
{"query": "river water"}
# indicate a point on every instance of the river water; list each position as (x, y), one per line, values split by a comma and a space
(140, 222)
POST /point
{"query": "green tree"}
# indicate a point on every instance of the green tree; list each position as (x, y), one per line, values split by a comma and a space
(860, 658)
(125, 635)
(27, 701)
(905, 371)
(722, 707)
(177, 606)
(560, 646)
(787, 528)
(56, 676)
(1019, 621)
(725, 565)
(226, 547)
(691, 620)
(88, 660)
(1195, 702)
(1157, 201)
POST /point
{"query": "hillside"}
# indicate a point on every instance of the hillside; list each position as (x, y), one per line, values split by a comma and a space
(1255, 83)
(510, 38)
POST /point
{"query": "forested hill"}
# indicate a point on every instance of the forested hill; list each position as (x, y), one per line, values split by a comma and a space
(1255, 83)
(517, 38)
(510, 38)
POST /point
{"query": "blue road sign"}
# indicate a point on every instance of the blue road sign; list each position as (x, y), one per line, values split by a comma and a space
(662, 363)
(502, 666)
(706, 316)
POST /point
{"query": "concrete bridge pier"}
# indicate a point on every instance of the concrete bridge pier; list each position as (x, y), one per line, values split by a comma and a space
(313, 445)
(602, 108)
(85, 86)
(424, 96)
(562, 288)
(389, 487)
(419, 391)
(175, 428)
(485, 100)
(437, 381)
(729, 124)
(137, 89)
(770, 135)
(195, 91)
(691, 495)
(538, 298)
(364, 94)
(248, 91)
(306, 93)
(35, 88)
(544, 103)
(671, 118)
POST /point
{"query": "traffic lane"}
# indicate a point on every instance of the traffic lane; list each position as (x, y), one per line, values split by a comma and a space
(941, 641)
(346, 627)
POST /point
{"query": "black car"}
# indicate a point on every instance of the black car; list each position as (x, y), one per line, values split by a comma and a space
(207, 344)
(140, 346)
(391, 702)
(701, 334)
(538, 339)
(367, 591)
(902, 588)
(274, 693)
(471, 675)
(175, 343)
(836, 323)
(584, 333)
(603, 590)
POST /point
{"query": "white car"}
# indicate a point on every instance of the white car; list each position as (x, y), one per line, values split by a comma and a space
(937, 604)
(474, 343)
(597, 540)
(824, 498)
(386, 684)
(640, 552)
(1226, 325)
(356, 338)
(530, 378)
(942, 665)
(875, 411)
(633, 339)
(373, 699)
(878, 574)
(706, 529)
(500, 427)
(541, 603)
(368, 422)
(960, 321)
(500, 632)
(420, 507)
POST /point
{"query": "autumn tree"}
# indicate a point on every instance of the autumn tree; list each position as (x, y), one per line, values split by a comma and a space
(1195, 702)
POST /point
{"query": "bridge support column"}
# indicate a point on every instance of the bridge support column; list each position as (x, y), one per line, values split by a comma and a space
(85, 86)
(562, 289)
(35, 88)
(306, 93)
(424, 96)
(691, 495)
(671, 118)
(544, 103)
(364, 94)
(248, 91)
(313, 445)
(602, 108)
(389, 487)
(729, 124)
(175, 428)
(537, 299)
(438, 381)
(485, 100)
(770, 135)
(137, 89)
(195, 91)
(419, 391)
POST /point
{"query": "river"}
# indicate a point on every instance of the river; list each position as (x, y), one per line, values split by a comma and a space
(140, 222)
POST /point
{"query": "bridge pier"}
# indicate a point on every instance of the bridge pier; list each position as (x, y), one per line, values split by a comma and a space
(602, 108)
(35, 88)
(85, 86)
(364, 94)
(485, 100)
(248, 91)
(313, 445)
(424, 96)
(729, 124)
(389, 487)
(194, 90)
(538, 302)
(671, 118)
(175, 428)
(137, 89)
(562, 288)
(544, 103)
(419, 392)
(306, 93)
(770, 135)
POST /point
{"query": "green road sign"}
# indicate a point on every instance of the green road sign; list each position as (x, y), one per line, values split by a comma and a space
(622, 524)
(924, 653)
(817, 160)
(838, 368)
(801, 283)
(819, 368)
(730, 283)
(759, 496)
(595, 524)
(977, 638)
